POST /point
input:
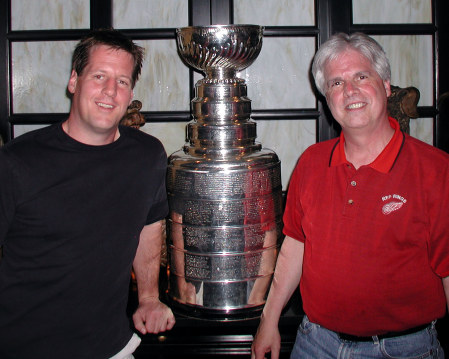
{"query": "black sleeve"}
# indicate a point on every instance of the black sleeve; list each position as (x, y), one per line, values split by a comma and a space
(7, 195)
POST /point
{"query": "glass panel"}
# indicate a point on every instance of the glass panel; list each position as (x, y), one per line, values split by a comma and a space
(422, 129)
(411, 62)
(279, 78)
(289, 139)
(132, 14)
(164, 82)
(40, 72)
(391, 12)
(21, 129)
(45, 14)
(172, 135)
(274, 13)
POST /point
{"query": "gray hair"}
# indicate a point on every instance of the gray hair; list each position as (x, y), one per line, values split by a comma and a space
(341, 42)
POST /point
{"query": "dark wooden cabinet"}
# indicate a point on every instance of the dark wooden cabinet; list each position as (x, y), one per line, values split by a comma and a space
(201, 338)
(197, 338)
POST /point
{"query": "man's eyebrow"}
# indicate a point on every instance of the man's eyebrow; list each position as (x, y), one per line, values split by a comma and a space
(365, 72)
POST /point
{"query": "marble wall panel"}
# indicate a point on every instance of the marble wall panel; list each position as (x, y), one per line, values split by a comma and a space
(22, 129)
(279, 78)
(164, 82)
(40, 73)
(411, 63)
(274, 12)
(391, 12)
(131, 14)
(171, 134)
(45, 14)
(422, 129)
(289, 139)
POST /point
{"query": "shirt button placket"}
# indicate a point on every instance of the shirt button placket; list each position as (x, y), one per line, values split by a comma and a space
(353, 184)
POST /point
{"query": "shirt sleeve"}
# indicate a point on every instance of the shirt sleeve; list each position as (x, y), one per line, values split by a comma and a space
(7, 195)
(293, 213)
(159, 209)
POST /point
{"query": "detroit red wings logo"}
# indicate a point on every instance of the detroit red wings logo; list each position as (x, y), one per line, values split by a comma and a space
(389, 208)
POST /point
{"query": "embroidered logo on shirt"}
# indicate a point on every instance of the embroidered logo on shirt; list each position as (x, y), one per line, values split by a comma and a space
(394, 203)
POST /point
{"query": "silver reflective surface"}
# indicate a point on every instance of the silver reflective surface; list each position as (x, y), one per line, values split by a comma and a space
(225, 191)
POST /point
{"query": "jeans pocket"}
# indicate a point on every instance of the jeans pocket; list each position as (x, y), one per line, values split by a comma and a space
(306, 326)
(420, 345)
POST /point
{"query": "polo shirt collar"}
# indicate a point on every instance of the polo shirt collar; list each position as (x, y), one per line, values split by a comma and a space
(386, 159)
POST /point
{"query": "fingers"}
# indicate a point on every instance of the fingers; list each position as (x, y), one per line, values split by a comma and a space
(264, 355)
(171, 322)
(165, 320)
(154, 327)
(266, 344)
(139, 323)
(257, 355)
(153, 320)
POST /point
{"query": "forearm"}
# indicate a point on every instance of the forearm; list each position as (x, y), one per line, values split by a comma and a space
(152, 316)
(446, 290)
(286, 279)
(147, 261)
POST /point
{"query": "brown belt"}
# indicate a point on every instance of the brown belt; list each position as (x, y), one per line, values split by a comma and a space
(355, 338)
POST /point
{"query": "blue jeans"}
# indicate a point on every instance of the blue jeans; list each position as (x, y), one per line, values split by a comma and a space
(316, 342)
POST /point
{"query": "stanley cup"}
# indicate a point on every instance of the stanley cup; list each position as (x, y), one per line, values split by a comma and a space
(225, 191)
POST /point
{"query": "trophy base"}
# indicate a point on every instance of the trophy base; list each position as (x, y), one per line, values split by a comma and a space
(216, 315)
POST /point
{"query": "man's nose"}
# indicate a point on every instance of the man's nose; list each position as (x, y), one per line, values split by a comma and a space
(110, 88)
(350, 88)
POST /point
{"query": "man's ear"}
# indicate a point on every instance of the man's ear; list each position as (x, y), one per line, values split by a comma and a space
(72, 82)
(387, 88)
(132, 96)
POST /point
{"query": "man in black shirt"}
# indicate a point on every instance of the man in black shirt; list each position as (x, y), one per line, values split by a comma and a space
(81, 204)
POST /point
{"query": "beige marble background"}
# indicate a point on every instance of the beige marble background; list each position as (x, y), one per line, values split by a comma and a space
(40, 72)
(134, 14)
(278, 78)
(391, 11)
(410, 63)
(164, 81)
(274, 12)
(49, 14)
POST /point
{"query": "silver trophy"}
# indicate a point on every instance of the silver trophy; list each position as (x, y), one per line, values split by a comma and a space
(225, 191)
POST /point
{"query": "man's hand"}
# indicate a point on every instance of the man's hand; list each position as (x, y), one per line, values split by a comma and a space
(267, 339)
(153, 316)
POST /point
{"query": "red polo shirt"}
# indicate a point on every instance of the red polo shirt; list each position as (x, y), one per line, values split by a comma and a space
(376, 239)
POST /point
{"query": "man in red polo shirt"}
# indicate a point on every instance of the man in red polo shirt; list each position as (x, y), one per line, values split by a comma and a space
(366, 225)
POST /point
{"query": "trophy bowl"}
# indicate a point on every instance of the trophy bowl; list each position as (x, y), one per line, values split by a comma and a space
(219, 46)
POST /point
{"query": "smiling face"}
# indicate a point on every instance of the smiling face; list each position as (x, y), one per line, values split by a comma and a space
(101, 95)
(355, 93)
